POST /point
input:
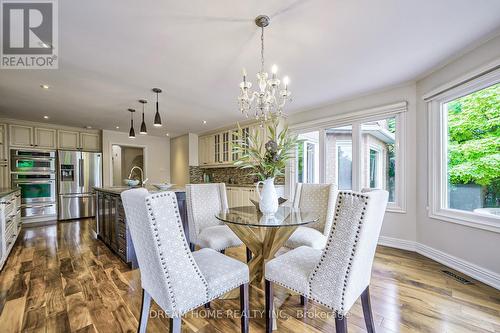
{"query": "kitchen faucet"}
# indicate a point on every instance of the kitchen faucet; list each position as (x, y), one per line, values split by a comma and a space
(143, 181)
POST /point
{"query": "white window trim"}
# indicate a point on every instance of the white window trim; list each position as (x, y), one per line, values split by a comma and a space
(355, 118)
(379, 172)
(437, 155)
(344, 144)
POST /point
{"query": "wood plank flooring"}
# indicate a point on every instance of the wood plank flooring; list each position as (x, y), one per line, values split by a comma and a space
(60, 279)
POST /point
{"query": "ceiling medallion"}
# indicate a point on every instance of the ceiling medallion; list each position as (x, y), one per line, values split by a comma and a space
(269, 100)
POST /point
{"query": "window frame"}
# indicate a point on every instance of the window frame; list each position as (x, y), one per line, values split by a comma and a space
(343, 144)
(379, 170)
(356, 118)
(438, 155)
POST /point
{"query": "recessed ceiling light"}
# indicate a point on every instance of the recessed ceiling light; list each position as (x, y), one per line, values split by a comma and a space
(88, 127)
(45, 117)
(168, 134)
(117, 127)
(204, 122)
(44, 86)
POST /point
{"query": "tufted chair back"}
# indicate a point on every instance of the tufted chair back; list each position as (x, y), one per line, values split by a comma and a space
(203, 202)
(168, 271)
(319, 198)
(344, 270)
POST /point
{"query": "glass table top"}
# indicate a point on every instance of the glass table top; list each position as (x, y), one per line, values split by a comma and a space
(284, 217)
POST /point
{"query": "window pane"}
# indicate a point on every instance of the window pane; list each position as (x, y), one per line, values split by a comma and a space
(338, 156)
(378, 155)
(308, 158)
(473, 152)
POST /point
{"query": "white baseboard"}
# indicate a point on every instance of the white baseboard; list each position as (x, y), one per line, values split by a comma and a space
(481, 274)
(397, 243)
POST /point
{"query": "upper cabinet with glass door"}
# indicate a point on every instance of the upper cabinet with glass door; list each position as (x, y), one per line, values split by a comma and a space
(218, 149)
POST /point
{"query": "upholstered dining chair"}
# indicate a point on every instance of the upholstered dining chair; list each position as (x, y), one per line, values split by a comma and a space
(203, 202)
(177, 279)
(336, 276)
(319, 198)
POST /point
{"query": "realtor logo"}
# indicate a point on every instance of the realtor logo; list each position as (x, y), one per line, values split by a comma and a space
(29, 34)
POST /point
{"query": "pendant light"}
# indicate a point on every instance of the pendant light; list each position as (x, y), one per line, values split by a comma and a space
(131, 133)
(157, 122)
(143, 124)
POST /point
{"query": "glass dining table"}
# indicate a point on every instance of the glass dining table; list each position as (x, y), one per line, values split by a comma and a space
(262, 234)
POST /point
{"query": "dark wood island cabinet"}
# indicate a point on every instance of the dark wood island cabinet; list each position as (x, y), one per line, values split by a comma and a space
(111, 226)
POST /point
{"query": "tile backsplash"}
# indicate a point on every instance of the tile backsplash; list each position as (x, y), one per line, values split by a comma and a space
(225, 175)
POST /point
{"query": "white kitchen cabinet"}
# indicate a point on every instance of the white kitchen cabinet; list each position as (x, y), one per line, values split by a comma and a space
(4, 158)
(29, 136)
(240, 195)
(45, 138)
(68, 140)
(20, 136)
(10, 223)
(218, 149)
(90, 142)
(204, 150)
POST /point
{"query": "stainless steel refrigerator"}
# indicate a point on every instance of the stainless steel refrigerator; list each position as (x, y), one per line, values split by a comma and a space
(78, 173)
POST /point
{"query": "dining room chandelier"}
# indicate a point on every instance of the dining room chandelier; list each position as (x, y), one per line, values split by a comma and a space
(270, 98)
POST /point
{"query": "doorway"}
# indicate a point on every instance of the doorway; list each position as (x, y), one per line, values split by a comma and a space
(123, 159)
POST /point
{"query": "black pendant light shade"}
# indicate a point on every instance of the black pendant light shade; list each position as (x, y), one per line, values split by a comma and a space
(157, 122)
(131, 133)
(143, 124)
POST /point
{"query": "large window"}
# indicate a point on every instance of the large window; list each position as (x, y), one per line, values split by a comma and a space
(307, 158)
(464, 151)
(378, 155)
(473, 151)
(338, 143)
(365, 152)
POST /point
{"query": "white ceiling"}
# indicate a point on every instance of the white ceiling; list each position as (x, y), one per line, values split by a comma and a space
(113, 52)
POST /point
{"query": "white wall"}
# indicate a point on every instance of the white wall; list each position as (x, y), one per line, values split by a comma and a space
(396, 225)
(193, 149)
(157, 154)
(179, 160)
(476, 246)
(472, 250)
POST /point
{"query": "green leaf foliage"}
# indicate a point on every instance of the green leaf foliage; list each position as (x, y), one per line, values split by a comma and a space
(474, 138)
(266, 155)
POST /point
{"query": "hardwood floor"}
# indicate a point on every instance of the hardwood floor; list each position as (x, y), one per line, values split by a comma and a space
(60, 279)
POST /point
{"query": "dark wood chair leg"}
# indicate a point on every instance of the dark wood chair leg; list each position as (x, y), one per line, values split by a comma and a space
(340, 324)
(207, 305)
(303, 300)
(175, 325)
(367, 310)
(244, 307)
(269, 306)
(192, 247)
(249, 255)
(145, 305)
(223, 251)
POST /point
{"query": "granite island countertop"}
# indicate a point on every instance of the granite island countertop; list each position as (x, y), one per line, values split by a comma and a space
(151, 189)
(4, 191)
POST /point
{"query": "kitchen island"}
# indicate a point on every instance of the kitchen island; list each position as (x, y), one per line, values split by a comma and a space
(111, 226)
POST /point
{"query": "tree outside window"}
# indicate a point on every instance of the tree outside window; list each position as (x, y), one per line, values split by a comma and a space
(473, 150)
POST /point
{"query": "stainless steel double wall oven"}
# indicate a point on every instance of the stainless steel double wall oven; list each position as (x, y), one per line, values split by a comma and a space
(34, 173)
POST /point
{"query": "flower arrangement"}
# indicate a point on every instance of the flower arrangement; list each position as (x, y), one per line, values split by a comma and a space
(266, 155)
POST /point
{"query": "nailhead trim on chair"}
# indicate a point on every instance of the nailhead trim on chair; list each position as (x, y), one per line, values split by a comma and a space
(334, 226)
(186, 249)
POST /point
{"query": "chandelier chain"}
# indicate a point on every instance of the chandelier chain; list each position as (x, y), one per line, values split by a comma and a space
(262, 50)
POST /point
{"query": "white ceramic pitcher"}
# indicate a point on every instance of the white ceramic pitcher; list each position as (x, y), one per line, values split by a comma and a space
(268, 199)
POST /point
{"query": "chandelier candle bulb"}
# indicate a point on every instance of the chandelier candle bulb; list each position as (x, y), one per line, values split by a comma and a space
(268, 100)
